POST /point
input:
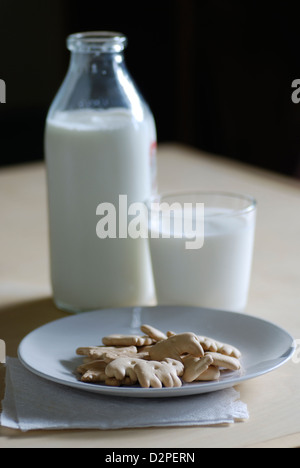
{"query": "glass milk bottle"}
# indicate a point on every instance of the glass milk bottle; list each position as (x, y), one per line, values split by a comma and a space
(100, 143)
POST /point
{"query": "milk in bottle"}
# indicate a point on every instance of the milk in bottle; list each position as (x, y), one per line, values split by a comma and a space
(99, 142)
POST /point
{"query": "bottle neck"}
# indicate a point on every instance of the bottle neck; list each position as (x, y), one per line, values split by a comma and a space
(101, 63)
(98, 77)
(96, 52)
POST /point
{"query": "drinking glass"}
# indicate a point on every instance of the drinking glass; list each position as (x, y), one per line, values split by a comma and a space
(201, 248)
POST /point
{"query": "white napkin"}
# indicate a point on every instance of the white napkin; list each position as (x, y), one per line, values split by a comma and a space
(32, 403)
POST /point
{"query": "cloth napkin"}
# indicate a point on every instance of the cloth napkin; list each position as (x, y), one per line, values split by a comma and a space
(32, 403)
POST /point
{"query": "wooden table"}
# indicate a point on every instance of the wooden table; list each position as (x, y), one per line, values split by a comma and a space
(25, 296)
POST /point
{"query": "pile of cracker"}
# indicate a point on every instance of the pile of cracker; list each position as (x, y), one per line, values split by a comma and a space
(156, 359)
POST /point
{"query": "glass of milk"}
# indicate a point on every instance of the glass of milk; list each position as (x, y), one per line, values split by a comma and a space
(201, 248)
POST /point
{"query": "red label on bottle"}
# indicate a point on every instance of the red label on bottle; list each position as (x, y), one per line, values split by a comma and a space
(153, 149)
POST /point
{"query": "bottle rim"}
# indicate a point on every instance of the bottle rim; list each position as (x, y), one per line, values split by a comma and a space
(97, 41)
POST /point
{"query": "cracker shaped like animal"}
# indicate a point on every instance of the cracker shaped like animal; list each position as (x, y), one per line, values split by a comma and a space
(93, 372)
(147, 373)
(214, 346)
(127, 340)
(175, 347)
(225, 362)
(158, 374)
(154, 333)
(100, 352)
(195, 367)
(121, 368)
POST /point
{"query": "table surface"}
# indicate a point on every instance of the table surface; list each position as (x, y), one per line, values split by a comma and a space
(25, 296)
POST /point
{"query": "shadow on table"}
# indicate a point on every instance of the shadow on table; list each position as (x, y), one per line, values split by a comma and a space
(17, 320)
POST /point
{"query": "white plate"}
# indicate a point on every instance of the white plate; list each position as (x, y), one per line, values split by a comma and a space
(50, 351)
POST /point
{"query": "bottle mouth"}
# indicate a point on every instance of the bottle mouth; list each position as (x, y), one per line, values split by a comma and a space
(97, 41)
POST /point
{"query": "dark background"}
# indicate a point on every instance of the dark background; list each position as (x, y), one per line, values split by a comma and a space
(217, 74)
